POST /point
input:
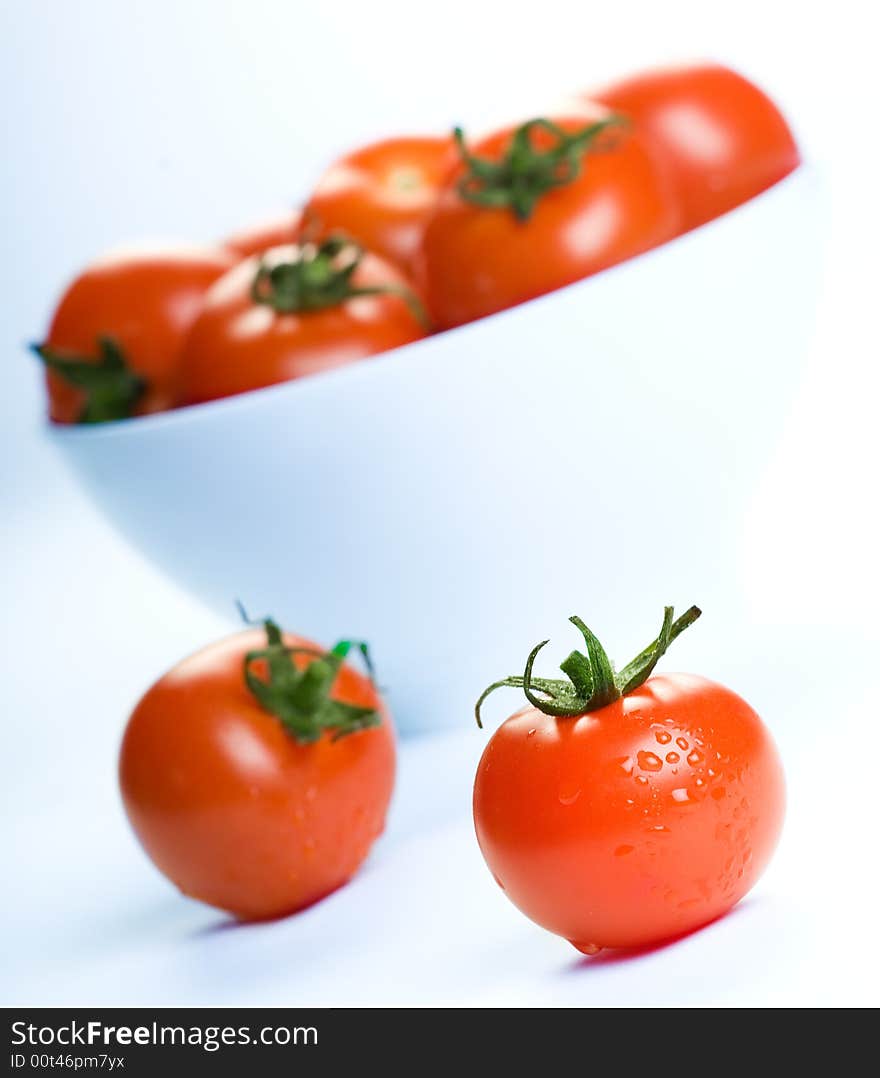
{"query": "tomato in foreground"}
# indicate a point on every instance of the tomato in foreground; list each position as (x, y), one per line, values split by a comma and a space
(295, 311)
(257, 773)
(533, 208)
(722, 138)
(114, 342)
(622, 810)
(382, 195)
(276, 232)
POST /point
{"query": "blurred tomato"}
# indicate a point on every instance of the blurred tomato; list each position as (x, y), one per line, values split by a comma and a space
(114, 342)
(295, 311)
(723, 140)
(382, 194)
(532, 208)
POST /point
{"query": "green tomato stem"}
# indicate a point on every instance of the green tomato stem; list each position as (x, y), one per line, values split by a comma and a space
(525, 174)
(110, 388)
(301, 697)
(592, 681)
(317, 276)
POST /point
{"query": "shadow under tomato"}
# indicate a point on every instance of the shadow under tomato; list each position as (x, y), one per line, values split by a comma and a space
(614, 956)
(229, 923)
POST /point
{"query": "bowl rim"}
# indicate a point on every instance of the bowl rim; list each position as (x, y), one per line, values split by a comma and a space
(203, 411)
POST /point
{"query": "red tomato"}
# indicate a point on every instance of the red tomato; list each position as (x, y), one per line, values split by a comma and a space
(534, 208)
(722, 138)
(259, 800)
(272, 233)
(383, 194)
(295, 311)
(632, 818)
(114, 342)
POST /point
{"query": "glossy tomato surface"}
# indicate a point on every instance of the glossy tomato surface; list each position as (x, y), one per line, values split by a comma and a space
(237, 344)
(382, 195)
(723, 140)
(231, 807)
(144, 301)
(477, 260)
(634, 823)
(275, 232)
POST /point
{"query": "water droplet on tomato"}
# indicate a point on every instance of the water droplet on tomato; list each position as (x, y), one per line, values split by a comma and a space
(623, 850)
(663, 737)
(695, 758)
(588, 949)
(672, 757)
(568, 795)
(680, 795)
(682, 743)
(649, 761)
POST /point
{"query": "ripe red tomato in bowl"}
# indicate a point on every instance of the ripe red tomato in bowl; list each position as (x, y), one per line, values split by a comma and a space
(624, 809)
(113, 345)
(721, 138)
(383, 194)
(257, 773)
(295, 311)
(532, 208)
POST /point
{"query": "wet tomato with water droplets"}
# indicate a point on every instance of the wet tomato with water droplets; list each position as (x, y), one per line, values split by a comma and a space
(635, 821)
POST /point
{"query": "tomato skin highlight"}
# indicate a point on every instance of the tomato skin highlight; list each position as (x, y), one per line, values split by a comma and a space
(275, 232)
(722, 139)
(383, 194)
(236, 344)
(476, 261)
(145, 301)
(637, 822)
(230, 807)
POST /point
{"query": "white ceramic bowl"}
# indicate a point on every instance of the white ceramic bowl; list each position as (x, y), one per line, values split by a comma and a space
(452, 502)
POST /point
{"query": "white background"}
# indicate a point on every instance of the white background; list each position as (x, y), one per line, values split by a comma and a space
(124, 121)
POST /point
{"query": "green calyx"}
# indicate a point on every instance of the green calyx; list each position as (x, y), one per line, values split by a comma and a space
(524, 174)
(111, 389)
(592, 681)
(300, 696)
(319, 275)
